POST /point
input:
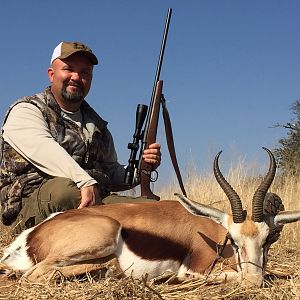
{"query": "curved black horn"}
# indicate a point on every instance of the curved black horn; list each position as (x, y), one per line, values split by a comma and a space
(259, 195)
(233, 197)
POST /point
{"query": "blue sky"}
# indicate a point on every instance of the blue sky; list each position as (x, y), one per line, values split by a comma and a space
(231, 68)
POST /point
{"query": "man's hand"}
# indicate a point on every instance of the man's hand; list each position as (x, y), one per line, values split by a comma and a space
(152, 155)
(89, 196)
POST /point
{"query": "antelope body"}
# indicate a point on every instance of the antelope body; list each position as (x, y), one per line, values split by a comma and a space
(147, 238)
(153, 238)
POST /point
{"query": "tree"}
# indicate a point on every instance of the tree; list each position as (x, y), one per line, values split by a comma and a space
(288, 153)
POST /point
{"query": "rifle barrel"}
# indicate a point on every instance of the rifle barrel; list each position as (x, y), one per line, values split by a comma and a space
(163, 46)
(157, 74)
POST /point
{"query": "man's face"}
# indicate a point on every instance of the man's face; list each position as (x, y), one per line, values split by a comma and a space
(71, 80)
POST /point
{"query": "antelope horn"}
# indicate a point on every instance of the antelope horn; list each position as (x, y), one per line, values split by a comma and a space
(233, 197)
(259, 195)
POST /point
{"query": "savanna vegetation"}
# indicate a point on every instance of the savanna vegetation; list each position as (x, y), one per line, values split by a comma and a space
(288, 150)
(282, 280)
(283, 271)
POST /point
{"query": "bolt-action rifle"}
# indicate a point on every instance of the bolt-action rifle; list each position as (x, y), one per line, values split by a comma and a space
(147, 135)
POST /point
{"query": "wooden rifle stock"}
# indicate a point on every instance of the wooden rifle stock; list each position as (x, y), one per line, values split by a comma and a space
(145, 168)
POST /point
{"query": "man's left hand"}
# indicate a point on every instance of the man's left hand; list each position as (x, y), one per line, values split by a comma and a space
(152, 155)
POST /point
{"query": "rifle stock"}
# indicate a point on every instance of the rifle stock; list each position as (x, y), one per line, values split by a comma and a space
(150, 133)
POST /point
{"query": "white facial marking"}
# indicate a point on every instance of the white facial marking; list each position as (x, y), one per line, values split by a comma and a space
(250, 245)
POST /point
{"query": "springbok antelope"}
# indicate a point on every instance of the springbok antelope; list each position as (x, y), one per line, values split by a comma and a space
(154, 238)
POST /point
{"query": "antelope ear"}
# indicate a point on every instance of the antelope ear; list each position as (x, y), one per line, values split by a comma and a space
(199, 209)
(284, 217)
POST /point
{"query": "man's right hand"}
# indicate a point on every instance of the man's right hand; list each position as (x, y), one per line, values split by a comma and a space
(89, 196)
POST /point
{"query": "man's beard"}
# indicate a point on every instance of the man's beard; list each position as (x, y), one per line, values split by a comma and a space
(74, 97)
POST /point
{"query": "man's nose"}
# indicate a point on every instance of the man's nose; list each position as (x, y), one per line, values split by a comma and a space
(75, 76)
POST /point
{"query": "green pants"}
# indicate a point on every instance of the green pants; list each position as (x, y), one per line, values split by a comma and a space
(56, 194)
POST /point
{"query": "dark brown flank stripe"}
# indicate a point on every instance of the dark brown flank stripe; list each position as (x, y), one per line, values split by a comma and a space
(152, 247)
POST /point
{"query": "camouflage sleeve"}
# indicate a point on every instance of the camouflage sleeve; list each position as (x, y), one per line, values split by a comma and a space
(24, 121)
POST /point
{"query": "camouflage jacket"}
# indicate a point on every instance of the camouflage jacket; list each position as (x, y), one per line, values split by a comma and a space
(19, 178)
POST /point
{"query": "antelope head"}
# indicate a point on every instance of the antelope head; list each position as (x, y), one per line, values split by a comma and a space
(252, 236)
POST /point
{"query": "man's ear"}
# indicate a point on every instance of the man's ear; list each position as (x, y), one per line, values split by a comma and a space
(50, 74)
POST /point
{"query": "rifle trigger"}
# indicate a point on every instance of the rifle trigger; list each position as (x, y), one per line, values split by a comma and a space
(155, 177)
(149, 174)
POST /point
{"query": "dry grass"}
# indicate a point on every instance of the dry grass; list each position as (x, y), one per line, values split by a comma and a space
(283, 273)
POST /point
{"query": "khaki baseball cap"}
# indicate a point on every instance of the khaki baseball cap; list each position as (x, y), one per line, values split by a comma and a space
(66, 49)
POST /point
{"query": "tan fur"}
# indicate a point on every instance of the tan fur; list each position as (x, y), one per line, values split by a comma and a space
(84, 237)
(230, 220)
(249, 229)
(92, 232)
(48, 270)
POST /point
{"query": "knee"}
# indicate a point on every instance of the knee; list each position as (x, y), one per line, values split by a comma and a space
(64, 194)
(113, 198)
